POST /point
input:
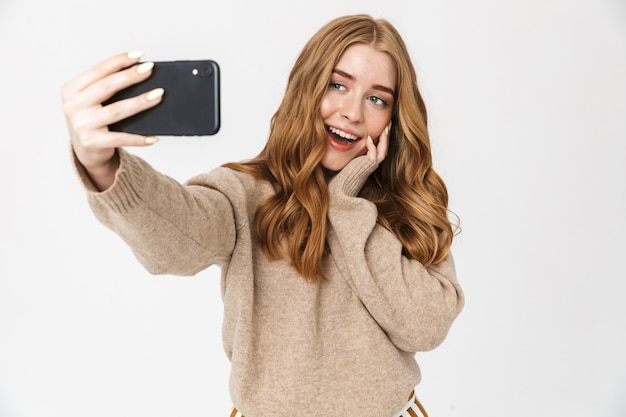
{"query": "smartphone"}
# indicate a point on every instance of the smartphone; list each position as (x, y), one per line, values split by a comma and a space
(189, 107)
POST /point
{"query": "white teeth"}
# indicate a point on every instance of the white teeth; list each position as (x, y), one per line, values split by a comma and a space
(342, 134)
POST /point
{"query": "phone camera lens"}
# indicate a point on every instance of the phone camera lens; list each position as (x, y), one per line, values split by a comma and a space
(207, 71)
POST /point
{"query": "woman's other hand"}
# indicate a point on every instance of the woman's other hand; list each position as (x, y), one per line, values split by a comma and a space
(378, 151)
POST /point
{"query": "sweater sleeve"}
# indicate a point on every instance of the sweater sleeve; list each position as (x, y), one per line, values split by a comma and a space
(414, 305)
(171, 228)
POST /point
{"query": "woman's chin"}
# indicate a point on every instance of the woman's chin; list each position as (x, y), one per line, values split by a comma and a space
(333, 164)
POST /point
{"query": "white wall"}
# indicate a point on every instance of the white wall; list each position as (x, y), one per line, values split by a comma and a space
(527, 103)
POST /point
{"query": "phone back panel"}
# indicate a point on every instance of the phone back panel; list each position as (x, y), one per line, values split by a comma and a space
(190, 105)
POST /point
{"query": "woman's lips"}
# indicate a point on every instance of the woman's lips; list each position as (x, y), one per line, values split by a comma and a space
(338, 141)
(339, 144)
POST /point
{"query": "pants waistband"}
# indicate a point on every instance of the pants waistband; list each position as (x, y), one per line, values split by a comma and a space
(413, 408)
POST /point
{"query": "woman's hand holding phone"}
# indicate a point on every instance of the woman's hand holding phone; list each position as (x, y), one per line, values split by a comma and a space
(88, 120)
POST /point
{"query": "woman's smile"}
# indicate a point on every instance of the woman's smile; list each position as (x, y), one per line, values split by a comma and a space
(340, 139)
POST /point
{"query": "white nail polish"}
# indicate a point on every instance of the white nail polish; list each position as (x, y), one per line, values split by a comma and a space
(156, 93)
(145, 67)
(135, 54)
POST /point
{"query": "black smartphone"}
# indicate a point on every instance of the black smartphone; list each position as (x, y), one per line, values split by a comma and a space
(189, 107)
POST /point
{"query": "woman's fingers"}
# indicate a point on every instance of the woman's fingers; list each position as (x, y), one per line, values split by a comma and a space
(113, 140)
(82, 120)
(123, 109)
(383, 144)
(371, 148)
(103, 89)
(100, 71)
(88, 120)
(378, 151)
(90, 125)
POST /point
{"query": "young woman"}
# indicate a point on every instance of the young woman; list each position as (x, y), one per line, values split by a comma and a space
(334, 242)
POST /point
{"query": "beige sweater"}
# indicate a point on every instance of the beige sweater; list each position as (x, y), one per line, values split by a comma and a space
(337, 348)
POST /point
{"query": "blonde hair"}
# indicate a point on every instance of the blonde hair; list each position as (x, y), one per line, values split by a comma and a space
(411, 198)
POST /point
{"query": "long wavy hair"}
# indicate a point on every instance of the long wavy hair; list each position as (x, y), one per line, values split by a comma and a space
(410, 196)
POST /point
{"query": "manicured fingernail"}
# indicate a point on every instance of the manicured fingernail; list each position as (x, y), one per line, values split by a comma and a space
(156, 93)
(151, 140)
(145, 67)
(369, 139)
(388, 128)
(135, 54)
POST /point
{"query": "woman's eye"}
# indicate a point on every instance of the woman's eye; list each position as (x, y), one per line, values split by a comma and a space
(337, 86)
(378, 101)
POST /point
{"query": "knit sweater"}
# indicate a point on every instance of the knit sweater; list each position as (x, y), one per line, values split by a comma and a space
(344, 346)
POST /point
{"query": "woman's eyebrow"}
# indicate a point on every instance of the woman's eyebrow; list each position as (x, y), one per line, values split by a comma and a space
(376, 86)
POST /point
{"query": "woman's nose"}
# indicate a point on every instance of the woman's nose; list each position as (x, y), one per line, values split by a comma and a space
(351, 109)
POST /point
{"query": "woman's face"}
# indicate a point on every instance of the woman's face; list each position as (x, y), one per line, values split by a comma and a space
(358, 103)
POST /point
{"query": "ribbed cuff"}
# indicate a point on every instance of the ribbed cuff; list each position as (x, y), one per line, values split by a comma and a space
(126, 190)
(351, 179)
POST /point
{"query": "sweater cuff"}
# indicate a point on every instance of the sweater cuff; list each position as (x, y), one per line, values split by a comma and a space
(126, 189)
(352, 177)
(82, 173)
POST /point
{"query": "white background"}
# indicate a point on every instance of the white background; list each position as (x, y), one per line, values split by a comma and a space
(527, 103)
